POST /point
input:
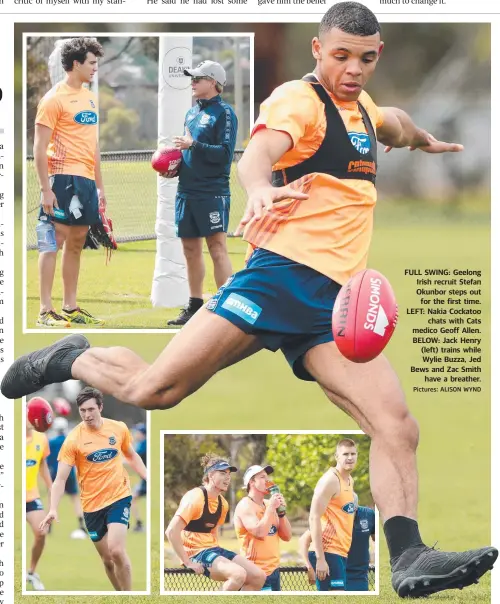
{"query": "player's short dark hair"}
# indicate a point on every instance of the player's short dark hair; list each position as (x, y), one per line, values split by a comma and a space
(76, 49)
(351, 18)
(89, 393)
(346, 442)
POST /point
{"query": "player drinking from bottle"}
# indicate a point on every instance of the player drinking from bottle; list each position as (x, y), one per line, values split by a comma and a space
(95, 447)
(261, 523)
(192, 532)
(309, 171)
(68, 165)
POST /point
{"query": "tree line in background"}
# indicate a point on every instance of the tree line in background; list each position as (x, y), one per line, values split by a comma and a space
(299, 460)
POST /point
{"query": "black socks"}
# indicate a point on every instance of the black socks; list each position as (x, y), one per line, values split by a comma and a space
(401, 533)
(195, 304)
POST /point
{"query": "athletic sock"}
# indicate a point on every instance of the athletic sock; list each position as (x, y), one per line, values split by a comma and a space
(401, 533)
(195, 303)
(59, 367)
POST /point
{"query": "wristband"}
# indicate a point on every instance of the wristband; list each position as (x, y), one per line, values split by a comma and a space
(281, 514)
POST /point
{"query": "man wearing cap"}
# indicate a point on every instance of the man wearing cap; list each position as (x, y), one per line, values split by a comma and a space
(140, 446)
(260, 526)
(203, 194)
(192, 532)
(61, 428)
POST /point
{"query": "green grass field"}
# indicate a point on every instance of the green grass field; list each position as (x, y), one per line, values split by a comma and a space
(61, 552)
(261, 393)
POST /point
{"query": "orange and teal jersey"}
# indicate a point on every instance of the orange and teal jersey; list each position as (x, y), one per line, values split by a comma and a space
(191, 508)
(37, 449)
(338, 520)
(330, 231)
(72, 115)
(263, 552)
(97, 457)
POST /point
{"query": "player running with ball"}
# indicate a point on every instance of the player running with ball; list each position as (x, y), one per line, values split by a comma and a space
(309, 171)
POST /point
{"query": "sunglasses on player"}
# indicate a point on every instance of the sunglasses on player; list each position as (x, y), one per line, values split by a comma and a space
(197, 79)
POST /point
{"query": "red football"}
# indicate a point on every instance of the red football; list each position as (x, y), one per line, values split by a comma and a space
(40, 414)
(61, 406)
(364, 316)
(167, 161)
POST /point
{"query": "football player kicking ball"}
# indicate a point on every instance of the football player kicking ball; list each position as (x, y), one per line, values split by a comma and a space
(95, 448)
(310, 236)
(192, 532)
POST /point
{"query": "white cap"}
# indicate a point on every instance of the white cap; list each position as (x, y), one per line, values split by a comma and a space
(253, 470)
(60, 424)
(208, 69)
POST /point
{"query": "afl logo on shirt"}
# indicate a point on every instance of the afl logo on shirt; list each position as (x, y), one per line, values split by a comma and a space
(360, 141)
(348, 508)
(86, 118)
(102, 455)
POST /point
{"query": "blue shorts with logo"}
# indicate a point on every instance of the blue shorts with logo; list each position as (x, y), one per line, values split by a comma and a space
(81, 212)
(34, 506)
(201, 216)
(287, 305)
(97, 522)
(337, 578)
(272, 582)
(207, 557)
(71, 486)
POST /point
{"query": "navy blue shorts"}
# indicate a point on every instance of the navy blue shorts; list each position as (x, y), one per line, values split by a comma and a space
(357, 583)
(337, 578)
(207, 557)
(272, 582)
(80, 212)
(287, 305)
(34, 506)
(97, 522)
(71, 486)
(197, 216)
(141, 489)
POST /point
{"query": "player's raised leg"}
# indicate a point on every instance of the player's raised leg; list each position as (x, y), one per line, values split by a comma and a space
(206, 345)
(371, 394)
(109, 565)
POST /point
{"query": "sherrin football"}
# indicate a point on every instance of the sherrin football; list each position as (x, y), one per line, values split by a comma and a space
(364, 317)
(40, 414)
(61, 406)
(167, 161)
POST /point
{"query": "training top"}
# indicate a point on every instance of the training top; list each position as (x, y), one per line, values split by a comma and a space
(264, 552)
(206, 166)
(37, 449)
(191, 508)
(72, 115)
(338, 519)
(358, 559)
(331, 231)
(97, 456)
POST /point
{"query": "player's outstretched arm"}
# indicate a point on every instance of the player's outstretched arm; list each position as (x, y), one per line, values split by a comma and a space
(398, 130)
(173, 534)
(265, 148)
(328, 486)
(57, 491)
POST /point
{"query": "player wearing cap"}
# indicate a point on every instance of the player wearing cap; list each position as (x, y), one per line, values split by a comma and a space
(331, 519)
(61, 428)
(260, 526)
(95, 447)
(141, 448)
(37, 451)
(192, 532)
(203, 194)
(68, 165)
(313, 229)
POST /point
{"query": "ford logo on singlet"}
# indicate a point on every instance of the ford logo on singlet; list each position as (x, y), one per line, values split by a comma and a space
(87, 118)
(273, 530)
(348, 508)
(360, 141)
(102, 455)
(30, 463)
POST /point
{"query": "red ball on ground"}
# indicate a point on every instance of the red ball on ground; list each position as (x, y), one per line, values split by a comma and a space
(40, 414)
(364, 317)
(167, 161)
